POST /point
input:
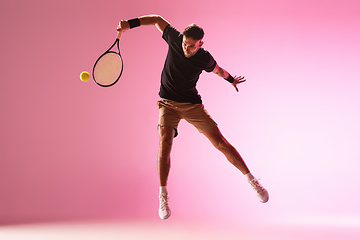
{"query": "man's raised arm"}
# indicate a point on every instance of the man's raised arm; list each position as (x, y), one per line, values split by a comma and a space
(146, 20)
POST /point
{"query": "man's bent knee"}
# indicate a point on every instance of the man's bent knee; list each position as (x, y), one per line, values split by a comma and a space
(167, 132)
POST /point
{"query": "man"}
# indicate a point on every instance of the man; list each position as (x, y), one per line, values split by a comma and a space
(185, 61)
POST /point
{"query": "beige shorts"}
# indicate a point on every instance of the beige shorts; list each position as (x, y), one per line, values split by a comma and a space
(170, 114)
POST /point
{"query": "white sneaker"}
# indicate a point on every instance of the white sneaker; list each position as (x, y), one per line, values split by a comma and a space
(164, 210)
(262, 193)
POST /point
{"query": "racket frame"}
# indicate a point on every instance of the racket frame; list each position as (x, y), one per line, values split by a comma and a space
(109, 51)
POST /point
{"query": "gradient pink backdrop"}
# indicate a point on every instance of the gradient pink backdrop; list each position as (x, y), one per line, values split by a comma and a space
(72, 150)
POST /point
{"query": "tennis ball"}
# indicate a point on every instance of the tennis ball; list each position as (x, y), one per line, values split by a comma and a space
(84, 76)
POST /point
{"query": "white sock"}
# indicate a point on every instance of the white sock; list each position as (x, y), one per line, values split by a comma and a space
(163, 189)
(249, 177)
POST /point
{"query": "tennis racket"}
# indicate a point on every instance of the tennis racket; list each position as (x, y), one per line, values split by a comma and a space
(109, 66)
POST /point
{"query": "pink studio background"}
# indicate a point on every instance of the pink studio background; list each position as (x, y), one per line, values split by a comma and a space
(72, 150)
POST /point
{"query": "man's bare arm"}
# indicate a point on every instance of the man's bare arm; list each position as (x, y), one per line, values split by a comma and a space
(146, 20)
(224, 74)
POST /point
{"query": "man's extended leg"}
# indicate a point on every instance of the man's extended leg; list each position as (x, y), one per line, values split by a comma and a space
(219, 142)
(166, 136)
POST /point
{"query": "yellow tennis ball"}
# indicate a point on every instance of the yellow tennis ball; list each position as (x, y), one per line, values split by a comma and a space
(84, 76)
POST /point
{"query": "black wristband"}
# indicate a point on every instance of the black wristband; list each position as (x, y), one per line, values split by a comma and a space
(135, 22)
(230, 79)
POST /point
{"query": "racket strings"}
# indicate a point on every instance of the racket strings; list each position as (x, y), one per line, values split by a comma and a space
(108, 69)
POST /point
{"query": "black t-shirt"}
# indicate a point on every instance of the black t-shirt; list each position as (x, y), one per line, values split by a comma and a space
(180, 74)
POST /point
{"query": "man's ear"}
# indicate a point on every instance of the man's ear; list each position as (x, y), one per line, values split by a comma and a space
(201, 43)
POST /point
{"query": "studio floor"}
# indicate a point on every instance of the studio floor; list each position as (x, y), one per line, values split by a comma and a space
(134, 230)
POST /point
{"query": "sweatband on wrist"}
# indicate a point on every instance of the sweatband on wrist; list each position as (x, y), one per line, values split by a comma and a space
(135, 22)
(230, 79)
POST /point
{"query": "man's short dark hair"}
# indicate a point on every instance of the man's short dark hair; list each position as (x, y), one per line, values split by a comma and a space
(194, 31)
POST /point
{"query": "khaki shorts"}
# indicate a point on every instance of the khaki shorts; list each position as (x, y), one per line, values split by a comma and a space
(170, 114)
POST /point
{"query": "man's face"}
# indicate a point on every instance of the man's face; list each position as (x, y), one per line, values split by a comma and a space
(190, 46)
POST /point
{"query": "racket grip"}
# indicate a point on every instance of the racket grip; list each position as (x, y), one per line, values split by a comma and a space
(119, 34)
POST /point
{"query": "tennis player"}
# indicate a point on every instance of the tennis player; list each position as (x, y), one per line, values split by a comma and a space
(185, 61)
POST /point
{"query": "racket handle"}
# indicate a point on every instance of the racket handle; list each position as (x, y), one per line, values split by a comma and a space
(119, 34)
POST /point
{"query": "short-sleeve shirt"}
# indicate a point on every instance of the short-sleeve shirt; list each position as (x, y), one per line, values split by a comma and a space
(181, 74)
